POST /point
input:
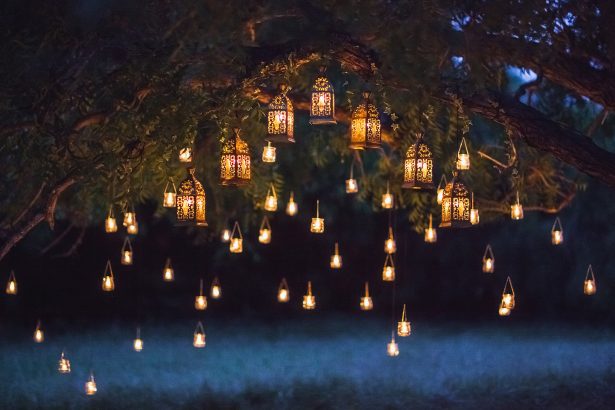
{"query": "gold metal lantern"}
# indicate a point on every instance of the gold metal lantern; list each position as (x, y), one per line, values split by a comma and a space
(508, 299)
(589, 285)
(90, 386)
(291, 206)
(463, 156)
(557, 232)
(488, 260)
(474, 215)
(516, 209)
(336, 258)
(191, 202)
(264, 233)
(392, 347)
(133, 229)
(137, 344)
(390, 246)
(168, 273)
(403, 326)
(63, 364)
(309, 300)
(388, 200)
(322, 106)
(11, 285)
(388, 270)
(365, 129)
(283, 291)
(440, 189)
(39, 335)
(280, 118)
(431, 235)
(235, 162)
(456, 204)
(318, 223)
(108, 281)
(418, 166)
(216, 289)
(127, 254)
(200, 301)
(268, 153)
(198, 339)
(110, 221)
(169, 195)
(352, 186)
(236, 242)
(271, 200)
(366, 299)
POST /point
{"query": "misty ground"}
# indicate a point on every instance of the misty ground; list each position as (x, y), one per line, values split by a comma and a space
(314, 363)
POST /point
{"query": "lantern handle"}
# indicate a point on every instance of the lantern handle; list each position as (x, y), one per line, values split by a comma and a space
(557, 224)
(127, 245)
(509, 284)
(590, 273)
(108, 269)
(388, 261)
(488, 252)
(237, 229)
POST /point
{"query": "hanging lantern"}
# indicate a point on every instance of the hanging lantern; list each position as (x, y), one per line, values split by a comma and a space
(130, 216)
(392, 347)
(185, 155)
(280, 118)
(291, 206)
(366, 300)
(508, 299)
(322, 108)
(264, 233)
(39, 336)
(198, 339)
(90, 386)
(488, 260)
(110, 221)
(336, 258)
(168, 198)
(440, 190)
(168, 274)
(431, 236)
(389, 244)
(365, 125)
(63, 364)
(200, 302)
(387, 199)
(236, 243)
(589, 285)
(352, 187)
(133, 229)
(474, 216)
(269, 153)
(283, 291)
(126, 255)
(138, 342)
(318, 223)
(463, 156)
(418, 166)
(456, 204)
(226, 235)
(388, 271)
(108, 282)
(216, 289)
(516, 210)
(271, 200)
(235, 167)
(557, 232)
(191, 201)
(11, 285)
(403, 326)
(309, 300)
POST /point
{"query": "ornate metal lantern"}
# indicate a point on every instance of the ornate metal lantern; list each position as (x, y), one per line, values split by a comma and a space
(127, 252)
(388, 271)
(440, 190)
(403, 326)
(389, 244)
(488, 260)
(516, 209)
(336, 258)
(463, 156)
(108, 281)
(456, 204)
(283, 292)
(271, 200)
(39, 335)
(168, 198)
(366, 300)
(557, 232)
(589, 285)
(90, 386)
(268, 153)
(322, 107)
(508, 299)
(418, 166)
(392, 347)
(198, 339)
(137, 344)
(474, 215)
(318, 223)
(291, 206)
(63, 364)
(236, 243)
(168, 273)
(216, 289)
(235, 165)
(264, 233)
(280, 118)
(309, 300)
(388, 200)
(431, 236)
(11, 285)
(190, 200)
(200, 301)
(110, 221)
(365, 125)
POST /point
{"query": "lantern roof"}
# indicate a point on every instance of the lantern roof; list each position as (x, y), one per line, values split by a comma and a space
(191, 185)
(366, 109)
(235, 145)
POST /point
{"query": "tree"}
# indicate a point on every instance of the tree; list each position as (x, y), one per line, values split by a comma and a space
(96, 101)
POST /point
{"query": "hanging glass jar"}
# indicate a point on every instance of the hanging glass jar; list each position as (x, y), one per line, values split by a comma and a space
(589, 285)
(130, 216)
(336, 258)
(235, 166)
(127, 253)
(90, 386)
(352, 187)
(168, 198)
(488, 260)
(137, 344)
(271, 200)
(133, 229)
(225, 236)
(291, 206)
(110, 221)
(216, 289)
(431, 236)
(39, 335)
(200, 301)
(322, 107)
(456, 204)
(388, 271)
(309, 300)
(557, 232)
(108, 281)
(236, 243)
(283, 291)
(280, 118)
(268, 153)
(392, 347)
(318, 223)
(168, 273)
(185, 155)
(366, 300)
(387, 199)
(365, 125)
(11, 285)
(440, 190)
(191, 201)
(264, 233)
(63, 364)
(403, 326)
(198, 339)
(474, 216)
(389, 244)
(463, 156)
(516, 210)
(508, 299)
(418, 166)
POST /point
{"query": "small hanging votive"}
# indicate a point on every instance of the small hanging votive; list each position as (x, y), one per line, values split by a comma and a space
(508, 299)
(185, 155)
(90, 386)
(236, 243)
(130, 216)
(108, 282)
(589, 285)
(366, 300)
(291, 206)
(133, 229)
(127, 254)
(463, 156)
(200, 301)
(388, 271)
(389, 244)
(271, 200)
(168, 274)
(39, 335)
(225, 236)
(309, 300)
(168, 198)
(516, 210)
(403, 326)
(318, 223)
(488, 260)
(557, 232)
(138, 342)
(336, 258)
(269, 153)
(431, 236)
(352, 187)
(474, 216)
(110, 221)
(387, 199)
(216, 289)
(63, 364)
(440, 190)
(11, 285)
(283, 292)
(198, 339)
(264, 233)
(392, 347)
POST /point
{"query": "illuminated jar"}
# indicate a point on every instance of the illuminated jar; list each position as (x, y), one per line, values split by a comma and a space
(508, 295)
(440, 190)
(133, 229)
(269, 153)
(236, 242)
(185, 155)
(11, 285)
(191, 203)
(309, 300)
(39, 336)
(456, 204)
(110, 221)
(589, 285)
(431, 236)
(322, 106)
(264, 233)
(403, 326)
(388, 271)
(365, 125)
(90, 386)
(216, 289)
(130, 216)
(63, 365)
(418, 166)
(271, 200)
(291, 206)
(503, 310)
(168, 198)
(352, 187)
(108, 282)
(557, 232)
(225, 236)
(137, 344)
(200, 301)
(389, 244)
(336, 258)
(235, 166)
(463, 156)
(318, 223)
(168, 274)
(392, 347)
(488, 260)
(387, 199)
(283, 292)
(126, 256)
(280, 118)
(198, 339)
(516, 210)
(474, 216)
(366, 300)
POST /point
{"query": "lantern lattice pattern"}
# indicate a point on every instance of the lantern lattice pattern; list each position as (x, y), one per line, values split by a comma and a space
(110, 221)
(11, 285)
(508, 299)
(390, 246)
(280, 118)
(200, 301)
(440, 189)
(456, 204)
(235, 165)
(322, 107)
(90, 386)
(392, 347)
(108, 281)
(318, 224)
(264, 233)
(168, 273)
(127, 254)
(388, 270)
(309, 300)
(557, 232)
(216, 289)
(463, 156)
(431, 236)
(388, 200)
(418, 166)
(283, 291)
(589, 285)
(365, 126)
(63, 364)
(336, 258)
(291, 206)
(198, 339)
(137, 344)
(268, 153)
(271, 200)
(236, 242)
(366, 300)
(516, 210)
(169, 195)
(403, 326)
(190, 200)
(39, 335)
(488, 260)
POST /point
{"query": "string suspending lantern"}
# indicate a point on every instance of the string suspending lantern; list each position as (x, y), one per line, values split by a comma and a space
(418, 166)
(336, 258)
(516, 209)
(268, 153)
(474, 215)
(456, 204)
(365, 129)
(216, 289)
(200, 301)
(392, 347)
(198, 339)
(39, 335)
(388, 271)
(352, 187)
(108, 281)
(169, 195)
(508, 299)
(90, 386)
(264, 233)
(185, 155)
(309, 300)
(235, 161)
(11, 285)
(488, 260)
(322, 107)
(463, 156)
(63, 364)
(440, 189)
(236, 242)
(388, 201)
(127, 254)
(137, 344)
(431, 235)
(191, 201)
(557, 232)
(168, 273)
(318, 224)
(283, 291)
(291, 206)
(589, 284)
(390, 246)
(403, 326)
(280, 117)
(366, 300)
(110, 221)
(271, 200)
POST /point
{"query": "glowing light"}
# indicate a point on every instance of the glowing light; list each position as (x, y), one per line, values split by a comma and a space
(90, 386)
(269, 153)
(137, 344)
(431, 236)
(403, 326)
(226, 235)
(557, 232)
(39, 336)
(236, 243)
(63, 365)
(336, 258)
(589, 285)
(283, 292)
(185, 155)
(216, 289)
(392, 347)
(108, 282)
(389, 244)
(271, 200)
(366, 300)
(516, 210)
(318, 223)
(291, 206)
(110, 221)
(126, 255)
(264, 233)
(488, 260)
(463, 156)
(309, 300)
(198, 339)
(11, 285)
(388, 270)
(168, 274)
